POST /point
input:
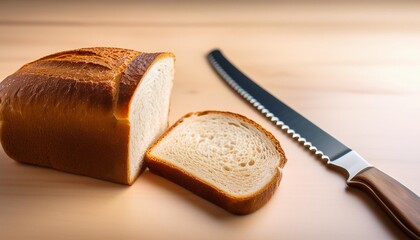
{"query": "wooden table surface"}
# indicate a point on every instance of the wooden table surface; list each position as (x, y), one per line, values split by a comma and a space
(351, 67)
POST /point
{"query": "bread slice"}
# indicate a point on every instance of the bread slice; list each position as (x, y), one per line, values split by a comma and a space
(90, 111)
(223, 157)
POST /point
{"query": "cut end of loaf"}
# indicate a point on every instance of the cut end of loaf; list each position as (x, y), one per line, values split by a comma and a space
(223, 157)
(148, 114)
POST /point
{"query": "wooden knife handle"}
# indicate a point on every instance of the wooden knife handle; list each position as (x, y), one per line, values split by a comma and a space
(399, 202)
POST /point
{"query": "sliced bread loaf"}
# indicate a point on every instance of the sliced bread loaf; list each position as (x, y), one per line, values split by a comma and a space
(223, 157)
(90, 111)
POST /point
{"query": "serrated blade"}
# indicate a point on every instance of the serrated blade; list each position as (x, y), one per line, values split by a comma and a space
(298, 127)
(398, 201)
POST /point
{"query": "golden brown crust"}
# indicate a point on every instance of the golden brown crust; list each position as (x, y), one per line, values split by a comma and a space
(132, 77)
(85, 77)
(58, 112)
(236, 205)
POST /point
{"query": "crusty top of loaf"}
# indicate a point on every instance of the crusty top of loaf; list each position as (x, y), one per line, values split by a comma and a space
(97, 78)
(87, 64)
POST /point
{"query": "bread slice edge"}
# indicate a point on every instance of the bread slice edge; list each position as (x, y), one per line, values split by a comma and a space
(234, 204)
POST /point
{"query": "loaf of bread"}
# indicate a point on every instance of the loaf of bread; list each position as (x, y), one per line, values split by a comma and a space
(90, 111)
(223, 157)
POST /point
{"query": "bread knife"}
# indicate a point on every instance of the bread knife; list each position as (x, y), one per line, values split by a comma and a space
(401, 204)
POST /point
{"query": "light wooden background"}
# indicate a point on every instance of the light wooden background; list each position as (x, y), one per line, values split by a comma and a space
(351, 67)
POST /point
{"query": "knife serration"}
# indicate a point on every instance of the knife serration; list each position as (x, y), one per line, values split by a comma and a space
(298, 127)
(314, 138)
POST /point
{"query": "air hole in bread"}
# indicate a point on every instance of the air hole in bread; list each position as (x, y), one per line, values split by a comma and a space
(227, 168)
(233, 124)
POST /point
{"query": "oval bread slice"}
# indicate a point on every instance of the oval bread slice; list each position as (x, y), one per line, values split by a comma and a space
(223, 157)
